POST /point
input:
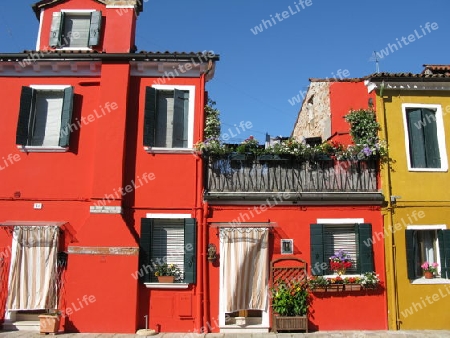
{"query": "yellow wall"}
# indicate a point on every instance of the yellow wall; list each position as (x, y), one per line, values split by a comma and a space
(424, 199)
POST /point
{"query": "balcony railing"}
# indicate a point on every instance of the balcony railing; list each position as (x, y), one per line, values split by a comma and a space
(226, 175)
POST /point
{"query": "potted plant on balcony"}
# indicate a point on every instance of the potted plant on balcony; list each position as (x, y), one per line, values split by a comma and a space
(290, 302)
(49, 322)
(352, 283)
(167, 273)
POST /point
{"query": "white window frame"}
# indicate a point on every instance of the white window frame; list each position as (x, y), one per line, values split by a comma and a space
(440, 136)
(331, 221)
(436, 280)
(190, 126)
(76, 11)
(45, 149)
(167, 285)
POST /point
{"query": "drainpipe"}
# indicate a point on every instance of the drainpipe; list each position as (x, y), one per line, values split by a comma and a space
(390, 248)
(201, 231)
(206, 304)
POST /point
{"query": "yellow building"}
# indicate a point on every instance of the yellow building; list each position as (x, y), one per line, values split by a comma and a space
(414, 112)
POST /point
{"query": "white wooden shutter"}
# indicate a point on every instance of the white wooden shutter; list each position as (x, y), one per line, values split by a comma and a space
(47, 120)
(168, 241)
(76, 30)
(341, 237)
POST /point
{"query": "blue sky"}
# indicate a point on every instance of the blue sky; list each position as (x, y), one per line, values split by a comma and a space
(259, 74)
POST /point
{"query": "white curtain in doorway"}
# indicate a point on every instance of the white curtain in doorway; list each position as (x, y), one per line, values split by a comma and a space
(33, 268)
(245, 268)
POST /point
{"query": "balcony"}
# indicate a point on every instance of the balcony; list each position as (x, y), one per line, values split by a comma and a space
(320, 181)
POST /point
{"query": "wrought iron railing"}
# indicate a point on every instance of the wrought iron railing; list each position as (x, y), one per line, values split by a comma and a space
(225, 174)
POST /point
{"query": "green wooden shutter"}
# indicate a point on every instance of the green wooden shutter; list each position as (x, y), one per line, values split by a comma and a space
(179, 134)
(56, 29)
(150, 116)
(26, 106)
(416, 138)
(444, 251)
(317, 256)
(190, 240)
(365, 257)
(431, 141)
(95, 29)
(410, 255)
(66, 117)
(145, 268)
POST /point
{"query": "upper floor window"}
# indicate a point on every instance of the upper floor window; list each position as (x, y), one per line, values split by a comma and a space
(168, 120)
(427, 244)
(425, 138)
(44, 116)
(75, 29)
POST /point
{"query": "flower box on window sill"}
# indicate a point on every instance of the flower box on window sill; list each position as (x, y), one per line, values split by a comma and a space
(335, 288)
(166, 285)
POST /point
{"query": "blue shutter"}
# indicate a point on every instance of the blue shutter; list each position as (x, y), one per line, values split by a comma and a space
(190, 261)
(95, 29)
(150, 116)
(66, 117)
(410, 254)
(145, 268)
(365, 258)
(25, 110)
(444, 251)
(317, 255)
(431, 141)
(56, 29)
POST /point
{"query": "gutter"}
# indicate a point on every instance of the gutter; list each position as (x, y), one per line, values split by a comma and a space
(44, 55)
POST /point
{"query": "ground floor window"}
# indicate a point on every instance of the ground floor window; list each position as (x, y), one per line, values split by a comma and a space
(427, 244)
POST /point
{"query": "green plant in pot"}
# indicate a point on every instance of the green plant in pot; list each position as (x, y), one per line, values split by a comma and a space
(290, 298)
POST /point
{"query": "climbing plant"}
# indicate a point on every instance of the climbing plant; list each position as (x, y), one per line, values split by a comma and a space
(363, 126)
(212, 123)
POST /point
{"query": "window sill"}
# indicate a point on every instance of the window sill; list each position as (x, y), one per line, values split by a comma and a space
(166, 285)
(428, 169)
(151, 150)
(35, 149)
(424, 281)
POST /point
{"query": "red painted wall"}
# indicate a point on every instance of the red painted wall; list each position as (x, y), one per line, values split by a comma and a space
(118, 25)
(345, 96)
(343, 311)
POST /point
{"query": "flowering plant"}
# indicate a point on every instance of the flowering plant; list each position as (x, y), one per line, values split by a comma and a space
(250, 144)
(167, 270)
(370, 280)
(430, 267)
(352, 280)
(341, 260)
(290, 298)
(211, 145)
(336, 280)
(318, 282)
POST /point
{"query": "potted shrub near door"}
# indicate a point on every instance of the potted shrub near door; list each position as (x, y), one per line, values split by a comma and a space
(290, 301)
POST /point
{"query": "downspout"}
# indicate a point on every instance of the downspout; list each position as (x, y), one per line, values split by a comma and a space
(199, 214)
(206, 303)
(390, 248)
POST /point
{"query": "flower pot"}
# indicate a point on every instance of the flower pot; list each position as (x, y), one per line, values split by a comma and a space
(49, 323)
(335, 288)
(352, 287)
(290, 323)
(341, 271)
(166, 279)
(428, 274)
(319, 289)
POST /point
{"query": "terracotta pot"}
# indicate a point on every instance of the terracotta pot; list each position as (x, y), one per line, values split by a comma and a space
(428, 274)
(49, 324)
(166, 279)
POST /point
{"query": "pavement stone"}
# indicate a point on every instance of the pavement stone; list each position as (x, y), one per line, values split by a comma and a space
(320, 334)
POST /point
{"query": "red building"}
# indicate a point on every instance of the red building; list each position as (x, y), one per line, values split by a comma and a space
(261, 210)
(97, 160)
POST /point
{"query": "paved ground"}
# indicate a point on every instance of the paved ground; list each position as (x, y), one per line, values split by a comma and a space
(322, 334)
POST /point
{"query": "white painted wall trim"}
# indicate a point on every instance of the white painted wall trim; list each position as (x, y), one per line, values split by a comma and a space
(41, 20)
(340, 220)
(168, 215)
(426, 227)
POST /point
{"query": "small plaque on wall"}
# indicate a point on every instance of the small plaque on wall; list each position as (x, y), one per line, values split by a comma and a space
(287, 246)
